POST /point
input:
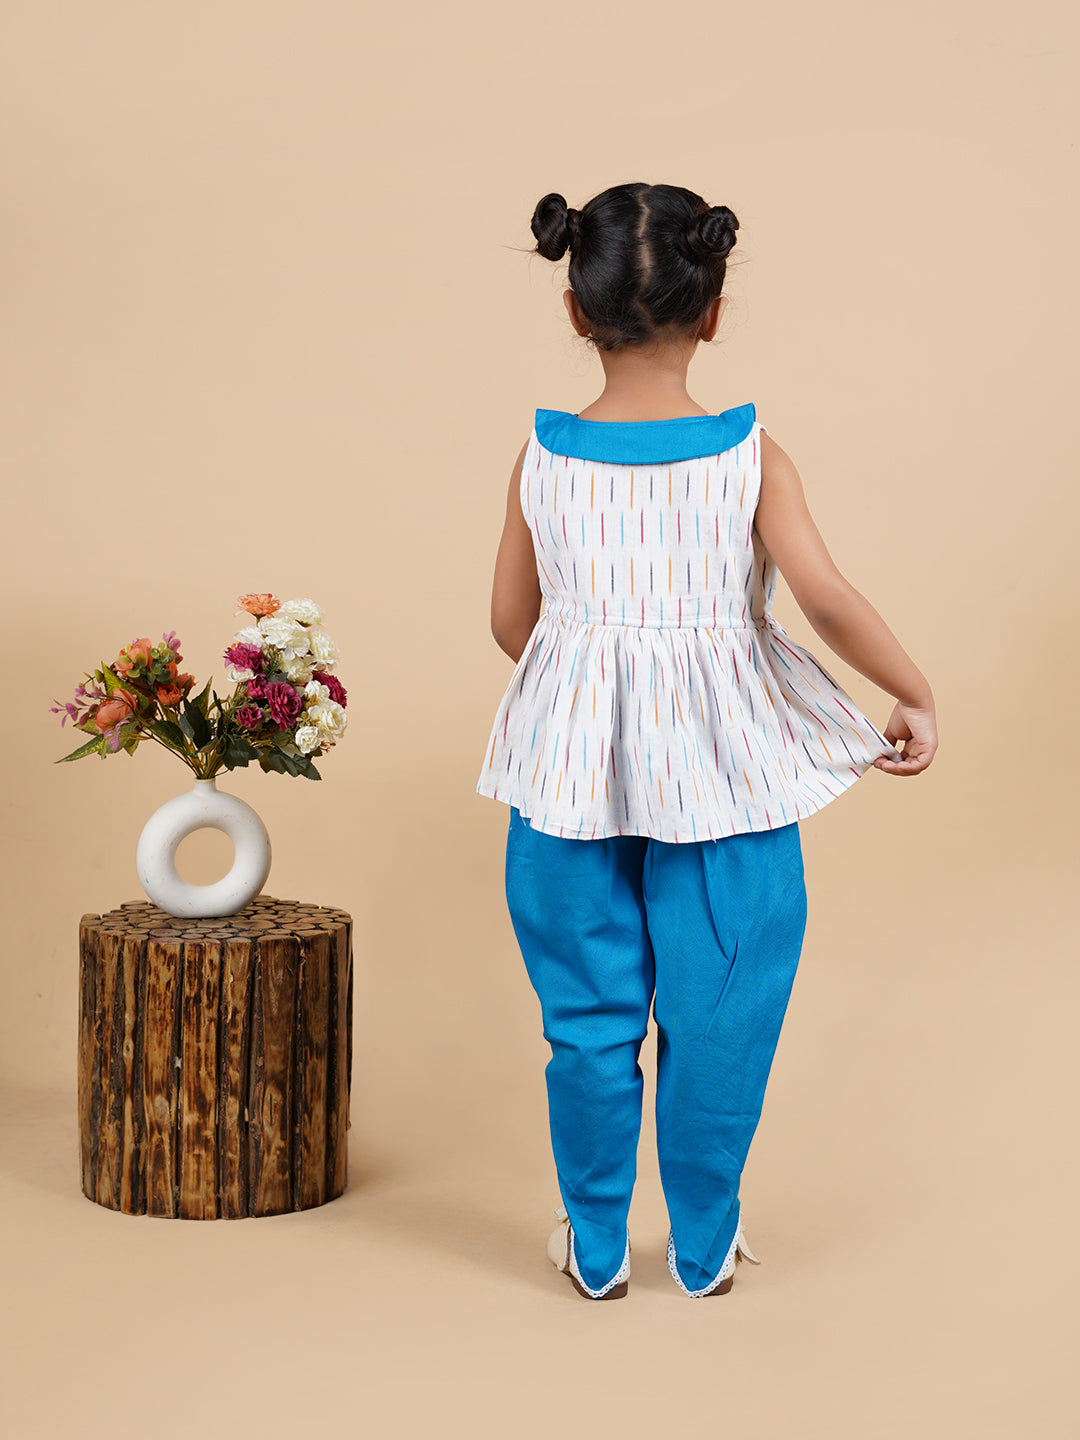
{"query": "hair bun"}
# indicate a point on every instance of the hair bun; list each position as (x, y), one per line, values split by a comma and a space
(555, 226)
(711, 234)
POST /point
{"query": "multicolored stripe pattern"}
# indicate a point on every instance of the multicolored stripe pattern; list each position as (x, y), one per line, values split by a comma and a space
(657, 694)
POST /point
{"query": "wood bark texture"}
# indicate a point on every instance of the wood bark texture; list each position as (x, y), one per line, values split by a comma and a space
(215, 1059)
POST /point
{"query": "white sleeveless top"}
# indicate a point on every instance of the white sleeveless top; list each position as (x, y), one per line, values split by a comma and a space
(657, 695)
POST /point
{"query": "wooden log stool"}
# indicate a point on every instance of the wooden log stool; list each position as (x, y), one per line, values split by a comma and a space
(215, 1059)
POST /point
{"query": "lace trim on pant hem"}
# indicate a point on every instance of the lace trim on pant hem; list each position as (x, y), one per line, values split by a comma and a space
(726, 1269)
(621, 1274)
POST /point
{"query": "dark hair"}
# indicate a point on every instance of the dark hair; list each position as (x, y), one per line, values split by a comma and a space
(643, 258)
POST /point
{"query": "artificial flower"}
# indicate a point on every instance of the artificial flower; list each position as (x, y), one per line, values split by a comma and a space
(250, 635)
(298, 670)
(116, 709)
(245, 657)
(282, 689)
(329, 716)
(287, 636)
(256, 605)
(285, 704)
(134, 656)
(333, 684)
(308, 738)
(322, 647)
(302, 609)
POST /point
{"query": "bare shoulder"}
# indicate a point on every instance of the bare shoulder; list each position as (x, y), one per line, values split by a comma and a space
(775, 461)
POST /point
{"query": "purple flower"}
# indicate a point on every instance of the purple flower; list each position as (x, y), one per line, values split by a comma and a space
(256, 688)
(285, 703)
(333, 684)
(245, 657)
(112, 735)
(70, 712)
(84, 705)
(249, 716)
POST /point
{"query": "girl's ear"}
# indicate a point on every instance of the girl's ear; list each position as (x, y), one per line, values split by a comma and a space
(573, 309)
(712, 319)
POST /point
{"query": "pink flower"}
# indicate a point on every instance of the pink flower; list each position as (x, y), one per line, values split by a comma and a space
(245, 657)
(285, 703)
(249, 716)
(256, 688)
(257, 605)
(333, 684)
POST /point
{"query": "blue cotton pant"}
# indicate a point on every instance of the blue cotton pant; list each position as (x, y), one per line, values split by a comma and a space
(709, 934)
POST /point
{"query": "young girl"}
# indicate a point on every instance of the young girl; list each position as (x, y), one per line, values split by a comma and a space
(662, 736)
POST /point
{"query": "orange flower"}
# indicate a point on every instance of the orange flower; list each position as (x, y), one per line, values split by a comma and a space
(185, 682)
(257, 605)
(168, 695)
(116, 709)
(131, 655)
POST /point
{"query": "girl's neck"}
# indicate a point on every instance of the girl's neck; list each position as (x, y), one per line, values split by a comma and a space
(645, 384)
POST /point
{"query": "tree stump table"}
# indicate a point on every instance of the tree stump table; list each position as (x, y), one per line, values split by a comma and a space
(215, 1059)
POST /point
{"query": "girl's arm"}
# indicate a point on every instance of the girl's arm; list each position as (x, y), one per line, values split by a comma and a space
(844, 618)
(515, 590)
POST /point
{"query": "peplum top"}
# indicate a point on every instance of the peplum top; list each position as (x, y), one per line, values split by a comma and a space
(657, 695)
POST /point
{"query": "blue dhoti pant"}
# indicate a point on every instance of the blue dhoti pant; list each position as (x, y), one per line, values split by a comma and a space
(707, 933)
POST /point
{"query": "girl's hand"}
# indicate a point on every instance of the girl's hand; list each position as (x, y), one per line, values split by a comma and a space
(917, 727)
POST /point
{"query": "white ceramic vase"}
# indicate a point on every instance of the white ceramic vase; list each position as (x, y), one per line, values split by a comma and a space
(204, 806)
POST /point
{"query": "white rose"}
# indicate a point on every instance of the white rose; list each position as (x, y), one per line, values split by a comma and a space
(288, 636)
(307, 739)
(302, 609)
(317, 691)
(298, 669)
(250, 635)
(329, 716)
(237, 673)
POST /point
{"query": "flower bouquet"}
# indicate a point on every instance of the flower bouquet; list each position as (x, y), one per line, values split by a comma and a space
(286, 708)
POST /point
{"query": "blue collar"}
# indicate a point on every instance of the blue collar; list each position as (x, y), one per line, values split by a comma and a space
(643, 442)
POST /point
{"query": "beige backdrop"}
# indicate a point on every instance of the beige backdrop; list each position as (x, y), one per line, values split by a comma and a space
(268, 325)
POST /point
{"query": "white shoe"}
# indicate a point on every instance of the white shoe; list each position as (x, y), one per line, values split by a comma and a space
(740, 1250)
(560, 1251)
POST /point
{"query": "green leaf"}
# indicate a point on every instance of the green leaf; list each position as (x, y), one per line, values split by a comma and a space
(239, 752)
(275, 760)
(200, 730)
(309, 769)
(168, 731)
(202, 700)
(92, 747)
(112, 679)
(131, 744)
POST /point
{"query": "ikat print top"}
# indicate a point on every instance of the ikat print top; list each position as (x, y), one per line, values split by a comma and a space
(657, 695)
